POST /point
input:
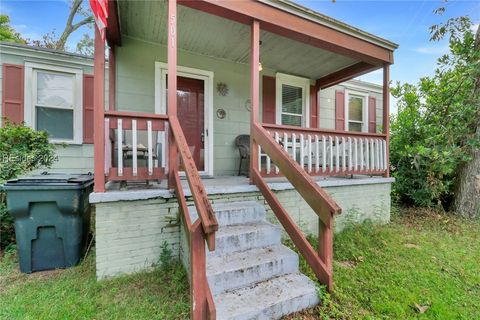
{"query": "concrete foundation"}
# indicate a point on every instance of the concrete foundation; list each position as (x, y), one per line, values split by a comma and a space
(132, 225)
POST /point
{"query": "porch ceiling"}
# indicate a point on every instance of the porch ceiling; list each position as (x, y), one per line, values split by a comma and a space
(210, 35)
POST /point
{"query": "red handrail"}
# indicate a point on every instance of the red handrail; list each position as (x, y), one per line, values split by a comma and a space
(203, 306)
(135, 115)
(322, 131)
(200, 197)
(200, 231)
(321, 203)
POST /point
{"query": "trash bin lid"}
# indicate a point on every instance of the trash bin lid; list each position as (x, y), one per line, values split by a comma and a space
(52, 179)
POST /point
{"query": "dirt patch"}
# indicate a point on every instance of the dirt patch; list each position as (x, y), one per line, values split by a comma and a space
(347, 264)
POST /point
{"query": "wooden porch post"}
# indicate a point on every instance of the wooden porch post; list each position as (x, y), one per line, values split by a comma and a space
(254, 92)
(386, 113)
(112, 72)
(172, 86)
(325, 248)
(98, 113)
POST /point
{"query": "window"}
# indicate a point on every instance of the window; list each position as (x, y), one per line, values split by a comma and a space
(292, 100)
(54, 101)
(356, 111)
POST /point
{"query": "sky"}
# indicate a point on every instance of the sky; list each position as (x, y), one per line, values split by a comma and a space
(403, 22)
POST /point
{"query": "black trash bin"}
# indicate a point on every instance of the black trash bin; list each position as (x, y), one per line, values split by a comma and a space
(52, 219)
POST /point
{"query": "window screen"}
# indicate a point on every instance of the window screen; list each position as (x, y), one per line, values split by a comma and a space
(292, 105)
(55, 96)
(356, 106)
(57, 122)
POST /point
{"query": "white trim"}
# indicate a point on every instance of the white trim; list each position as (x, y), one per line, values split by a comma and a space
(304, 83)
(29, 94)
(54, 57)
(362, 86)
(161, 71)
(364, 112)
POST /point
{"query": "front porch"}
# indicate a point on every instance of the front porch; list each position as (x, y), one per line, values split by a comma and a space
(314, 127)
(186, 80)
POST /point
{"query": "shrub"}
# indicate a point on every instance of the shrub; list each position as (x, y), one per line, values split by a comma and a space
(433, 132)
(22, 149)
(7, 235)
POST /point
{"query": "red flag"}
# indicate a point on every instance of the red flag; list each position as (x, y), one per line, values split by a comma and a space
(100, 13)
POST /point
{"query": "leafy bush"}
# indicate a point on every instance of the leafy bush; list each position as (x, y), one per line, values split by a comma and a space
(22, 149)
(7, 234)
(433, 132)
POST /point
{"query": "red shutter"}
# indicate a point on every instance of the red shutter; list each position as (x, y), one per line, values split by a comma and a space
(13, 92)
(87, 108)
(340, 110)
(314, 110)
(372, 115)
(268, 96)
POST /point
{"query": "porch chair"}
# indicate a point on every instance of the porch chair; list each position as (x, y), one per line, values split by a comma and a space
(243, 144)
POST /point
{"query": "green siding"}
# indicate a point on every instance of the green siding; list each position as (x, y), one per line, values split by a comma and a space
(327, 104)
(136, 92)
(72, 159)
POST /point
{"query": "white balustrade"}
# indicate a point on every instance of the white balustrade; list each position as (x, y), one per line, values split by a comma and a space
(332, 154)
(120, 147)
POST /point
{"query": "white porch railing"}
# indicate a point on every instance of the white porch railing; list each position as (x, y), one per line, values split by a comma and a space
(326, 152)
(135, 146)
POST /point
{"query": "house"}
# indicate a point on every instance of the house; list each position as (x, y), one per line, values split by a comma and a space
(186, 78)
(20, 63)
(29, 77)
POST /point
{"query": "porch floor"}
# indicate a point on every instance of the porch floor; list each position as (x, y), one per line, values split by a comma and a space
(217, 185)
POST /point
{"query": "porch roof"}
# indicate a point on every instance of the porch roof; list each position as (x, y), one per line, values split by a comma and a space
(295, 40)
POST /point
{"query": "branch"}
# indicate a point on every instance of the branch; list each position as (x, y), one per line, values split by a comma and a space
(83, 22)
(73, 11)
(69, 28)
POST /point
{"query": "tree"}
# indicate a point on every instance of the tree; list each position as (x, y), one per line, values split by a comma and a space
(49, 41)
(467, 191)
(52, 41)
(85, 45)
(433, 134)
(76, 8)
(7, 33)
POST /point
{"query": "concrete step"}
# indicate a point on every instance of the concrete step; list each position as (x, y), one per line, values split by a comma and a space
(235, 238)
(269, 299)
(232, 213)
(245, 268)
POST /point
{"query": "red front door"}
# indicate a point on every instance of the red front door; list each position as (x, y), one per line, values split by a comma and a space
(190, 109)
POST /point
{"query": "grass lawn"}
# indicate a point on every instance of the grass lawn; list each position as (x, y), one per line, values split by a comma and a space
(420, 266)
(75, 294)
(423, 265)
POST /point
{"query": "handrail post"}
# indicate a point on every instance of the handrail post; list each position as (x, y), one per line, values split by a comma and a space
(254, 92)
(199, 283)
(325, 248)
(172, 86)
(98, 112)
(386, 114)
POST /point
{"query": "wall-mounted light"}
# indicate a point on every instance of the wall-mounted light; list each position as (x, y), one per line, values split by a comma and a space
(222, 88)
